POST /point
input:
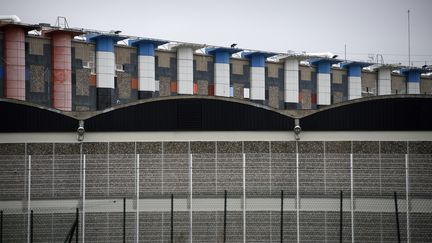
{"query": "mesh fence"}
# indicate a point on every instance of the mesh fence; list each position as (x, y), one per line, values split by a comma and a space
(128, 196)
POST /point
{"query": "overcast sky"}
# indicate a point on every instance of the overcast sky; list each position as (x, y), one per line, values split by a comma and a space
(365, 26)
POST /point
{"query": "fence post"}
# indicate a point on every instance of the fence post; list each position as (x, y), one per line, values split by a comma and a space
(137, 174)
(28, 199)
(190, 198)
(352, 197)
(282, 214)
(83, 199)
(1, 226)
(407, 198)
(244, 198)
(77, 225)
(341, 217)
(397, 217)
(31, 226)
(124, 220)
(225, 215)
(172, 218)
(297, 198)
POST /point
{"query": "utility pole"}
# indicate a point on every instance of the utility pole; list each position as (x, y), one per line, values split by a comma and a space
(345, 53)
(409, 40)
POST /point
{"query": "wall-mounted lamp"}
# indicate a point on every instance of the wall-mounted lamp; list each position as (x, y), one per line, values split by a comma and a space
(80, 131)
(297, 129)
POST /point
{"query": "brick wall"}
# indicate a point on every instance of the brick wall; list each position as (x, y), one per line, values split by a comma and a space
(83, 78)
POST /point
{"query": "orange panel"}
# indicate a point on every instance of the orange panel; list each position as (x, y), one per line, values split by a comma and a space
(134, 83)
(93, 80)
(174, 87)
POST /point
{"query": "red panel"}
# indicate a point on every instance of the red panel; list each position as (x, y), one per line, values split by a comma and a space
(210, 90)
(313, 98)
(61, 71)
(14, 62)
(195, 88)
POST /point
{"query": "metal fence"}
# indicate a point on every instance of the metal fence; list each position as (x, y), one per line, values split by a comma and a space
(254, 197)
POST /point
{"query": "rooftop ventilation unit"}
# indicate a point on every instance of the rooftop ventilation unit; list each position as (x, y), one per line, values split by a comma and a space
(119, 68)
(10, 18)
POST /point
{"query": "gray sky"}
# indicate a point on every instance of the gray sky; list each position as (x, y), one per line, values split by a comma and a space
(365, 26)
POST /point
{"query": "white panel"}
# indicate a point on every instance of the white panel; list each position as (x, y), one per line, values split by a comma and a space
(146, 73)
(246, 93)
(157, 85)
(222, 79)
(105, 64)
(185, 70)
(291, 93)
(291, 82)
(323, 89)
(354, 88)
(384, 82)
(257, 83)
(413, 88)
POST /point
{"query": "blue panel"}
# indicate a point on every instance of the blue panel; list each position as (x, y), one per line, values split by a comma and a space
(146, 49)
(257, 61)
(257, 53)
(1, 72)
(347, 64)
(231, 91)
(105, 44)
(222, 57)
(354, 71)
(156, 43)
(324, 67)
(414, 76)
(212, 51)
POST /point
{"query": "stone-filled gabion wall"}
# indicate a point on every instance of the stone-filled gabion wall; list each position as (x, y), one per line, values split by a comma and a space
(56, 189)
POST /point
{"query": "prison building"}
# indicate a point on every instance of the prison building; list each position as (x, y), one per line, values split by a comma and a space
(110, 138)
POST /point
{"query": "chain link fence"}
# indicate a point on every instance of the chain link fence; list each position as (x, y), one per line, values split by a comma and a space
(216, 198)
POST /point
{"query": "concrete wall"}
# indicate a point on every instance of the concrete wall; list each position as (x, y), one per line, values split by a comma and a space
(203, 75)
(83, 79)
(399, 84)
(166, 72)
(274, 85)
(239, 78)
(38, 70)
(307, 88)
(324, 170)
(426, 85)
(339, 85)
(369, 83)
(126, 80)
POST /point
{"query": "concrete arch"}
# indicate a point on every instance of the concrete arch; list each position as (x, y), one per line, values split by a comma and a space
(190, 113)
(379, 113)
(20, 116)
